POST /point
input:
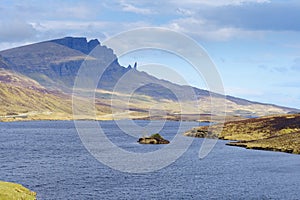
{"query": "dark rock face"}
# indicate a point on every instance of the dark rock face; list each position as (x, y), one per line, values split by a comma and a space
(92, 44)
(2, 63)
(65, 69)
(135, 65)
(78, 43)
(55, 63)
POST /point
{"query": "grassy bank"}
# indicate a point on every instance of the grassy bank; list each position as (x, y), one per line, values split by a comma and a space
(13, 191)
(273, 133)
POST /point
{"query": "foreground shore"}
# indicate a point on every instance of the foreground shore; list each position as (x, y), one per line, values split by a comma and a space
(11, 191)
(272, 133)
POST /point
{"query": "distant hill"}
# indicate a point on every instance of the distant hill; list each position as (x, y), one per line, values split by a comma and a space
(52, 66)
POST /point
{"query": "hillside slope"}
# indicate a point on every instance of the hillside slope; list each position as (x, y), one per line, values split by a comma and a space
(22, 97)
(52, 67)
(276, 133)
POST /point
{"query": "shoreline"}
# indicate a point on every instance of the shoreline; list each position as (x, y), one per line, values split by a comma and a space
(271, 133)
(274, 149)
(46, 116)
(251, 139)
(9, 190)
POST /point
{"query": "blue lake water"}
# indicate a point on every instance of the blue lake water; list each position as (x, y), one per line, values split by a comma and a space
(48, 157)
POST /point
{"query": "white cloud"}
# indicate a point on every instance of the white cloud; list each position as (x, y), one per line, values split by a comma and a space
(165, 5)
(92, 29)
(217, 2)
(131, 8)
(16, 30)
(58, 19)
(204, 29)
(81, 11)
(185, 12)
(68, 25)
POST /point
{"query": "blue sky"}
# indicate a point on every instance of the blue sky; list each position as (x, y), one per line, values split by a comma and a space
(255, 44)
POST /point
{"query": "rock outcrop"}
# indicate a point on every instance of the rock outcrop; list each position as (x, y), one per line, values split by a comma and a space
(153, 139)
(78, 43)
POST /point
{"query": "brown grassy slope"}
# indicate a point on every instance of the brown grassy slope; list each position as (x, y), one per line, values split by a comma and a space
(16, 99)
(22, 98)
(259, 128)
(289, 143)
(19, 94)
(280, 133)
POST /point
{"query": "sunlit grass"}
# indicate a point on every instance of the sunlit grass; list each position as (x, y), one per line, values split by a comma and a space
(13, 191)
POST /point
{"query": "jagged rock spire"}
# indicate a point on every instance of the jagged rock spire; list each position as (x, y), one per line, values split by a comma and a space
(135, 65)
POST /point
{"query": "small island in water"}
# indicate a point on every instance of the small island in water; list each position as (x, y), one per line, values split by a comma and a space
(153, 139)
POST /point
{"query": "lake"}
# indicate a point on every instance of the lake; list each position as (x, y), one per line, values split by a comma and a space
(49, 158)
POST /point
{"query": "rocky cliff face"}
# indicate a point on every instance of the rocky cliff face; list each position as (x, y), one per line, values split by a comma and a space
(81, 44)
(55, 63)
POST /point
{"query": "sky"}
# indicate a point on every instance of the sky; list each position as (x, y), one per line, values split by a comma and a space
(255, 44)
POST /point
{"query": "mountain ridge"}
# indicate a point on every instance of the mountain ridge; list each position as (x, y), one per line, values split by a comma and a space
(81, 44)
(54, 65)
